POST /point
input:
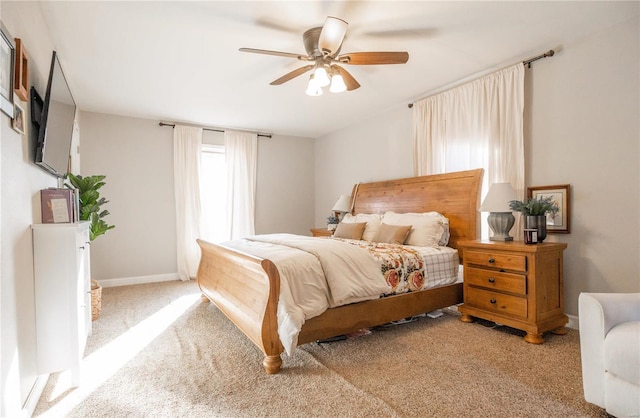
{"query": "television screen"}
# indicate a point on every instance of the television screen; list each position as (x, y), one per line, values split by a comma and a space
(56, 123)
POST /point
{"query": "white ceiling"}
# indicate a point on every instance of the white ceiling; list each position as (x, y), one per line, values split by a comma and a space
(179, 61)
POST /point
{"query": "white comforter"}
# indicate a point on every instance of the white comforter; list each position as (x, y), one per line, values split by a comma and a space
(312, 277)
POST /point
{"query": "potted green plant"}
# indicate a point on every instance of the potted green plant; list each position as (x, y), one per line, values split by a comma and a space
(91, 210)
(91, 202)
(535, 211)
(332, 222)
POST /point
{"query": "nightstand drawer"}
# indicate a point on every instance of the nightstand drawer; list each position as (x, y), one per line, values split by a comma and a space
(497, 260)
(321, 232)
(496, 302)
(496, 280)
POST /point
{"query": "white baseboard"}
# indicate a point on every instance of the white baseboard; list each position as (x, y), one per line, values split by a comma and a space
(31, 402)
(127, 281)
(573, 322)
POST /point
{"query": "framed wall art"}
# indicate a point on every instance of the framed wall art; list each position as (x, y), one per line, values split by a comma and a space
(7, 57)
(18, 119)
(21, 72)
(561, 194)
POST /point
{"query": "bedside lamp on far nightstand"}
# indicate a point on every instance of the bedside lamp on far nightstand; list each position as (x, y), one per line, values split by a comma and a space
(342, 206)
(500, 219)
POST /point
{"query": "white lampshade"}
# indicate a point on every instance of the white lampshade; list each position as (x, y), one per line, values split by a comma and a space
(332, 35)
(337, 84)
(498, 198)
(321, 77)
(343, 204)
(313, 89)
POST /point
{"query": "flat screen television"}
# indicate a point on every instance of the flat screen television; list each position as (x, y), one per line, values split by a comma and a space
(53, 118)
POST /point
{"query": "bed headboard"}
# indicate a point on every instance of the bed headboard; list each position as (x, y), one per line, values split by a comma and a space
(455, 195)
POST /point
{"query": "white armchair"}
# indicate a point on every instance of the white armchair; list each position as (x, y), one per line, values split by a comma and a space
(610, 351)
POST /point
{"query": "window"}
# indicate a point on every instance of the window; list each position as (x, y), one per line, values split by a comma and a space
(213, 193)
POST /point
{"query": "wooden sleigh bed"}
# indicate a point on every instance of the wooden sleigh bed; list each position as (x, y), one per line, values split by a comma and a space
(246, 288)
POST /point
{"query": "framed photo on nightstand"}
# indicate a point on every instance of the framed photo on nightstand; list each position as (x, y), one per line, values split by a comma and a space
(560, 222)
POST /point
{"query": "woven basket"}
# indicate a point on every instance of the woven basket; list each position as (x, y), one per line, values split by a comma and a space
(96, 300)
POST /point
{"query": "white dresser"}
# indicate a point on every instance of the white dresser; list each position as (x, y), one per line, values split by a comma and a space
(61, 256)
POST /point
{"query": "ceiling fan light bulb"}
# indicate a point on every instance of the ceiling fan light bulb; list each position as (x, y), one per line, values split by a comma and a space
(337, 84)
(332, 35)
(321, 77)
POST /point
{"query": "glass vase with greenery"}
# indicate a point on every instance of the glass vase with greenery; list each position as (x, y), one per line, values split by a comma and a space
(535, 211)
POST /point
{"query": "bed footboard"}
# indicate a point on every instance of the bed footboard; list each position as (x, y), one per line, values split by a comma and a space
(245, 288)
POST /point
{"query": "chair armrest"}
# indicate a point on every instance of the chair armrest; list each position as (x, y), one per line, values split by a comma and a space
(597, 314)
(617, 308)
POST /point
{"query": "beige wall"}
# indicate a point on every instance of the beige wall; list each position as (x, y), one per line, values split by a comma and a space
(284, 192)
(20, 183)
(582, 110)
(583, 130)
(376, 149)
(136, 155)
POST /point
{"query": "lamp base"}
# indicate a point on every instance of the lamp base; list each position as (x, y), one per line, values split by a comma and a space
(501, 239)
(501, 223)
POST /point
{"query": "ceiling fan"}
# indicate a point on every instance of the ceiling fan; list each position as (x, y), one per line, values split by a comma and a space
(323, 46)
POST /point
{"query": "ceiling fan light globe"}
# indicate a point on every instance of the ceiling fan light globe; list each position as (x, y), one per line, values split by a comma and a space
(321, 77)
(313, 89)
(337, 84)
(332, 35)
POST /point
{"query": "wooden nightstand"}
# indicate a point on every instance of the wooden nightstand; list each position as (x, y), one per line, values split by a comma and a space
(321, 232)
(515, 284)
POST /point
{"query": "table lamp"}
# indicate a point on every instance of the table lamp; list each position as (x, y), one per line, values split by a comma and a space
(342, 206)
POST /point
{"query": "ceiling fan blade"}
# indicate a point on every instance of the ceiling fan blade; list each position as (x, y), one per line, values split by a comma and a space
(349, 81)
(292, 74)
(332, 35)
(374, 58)
(277, 53)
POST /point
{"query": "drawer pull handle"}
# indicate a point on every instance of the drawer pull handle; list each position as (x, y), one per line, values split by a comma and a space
(492, 280)
(491, 261)
(492, 301)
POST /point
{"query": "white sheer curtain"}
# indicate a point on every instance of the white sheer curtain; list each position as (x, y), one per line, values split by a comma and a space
(186, 175)
(241, 150)
(476, 125)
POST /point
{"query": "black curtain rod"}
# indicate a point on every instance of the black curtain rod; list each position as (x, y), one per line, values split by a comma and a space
(528, 62)
(209, 129)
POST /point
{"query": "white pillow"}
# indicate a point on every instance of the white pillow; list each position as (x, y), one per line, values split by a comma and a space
(429, 229)
(444, 240)
(373, 221)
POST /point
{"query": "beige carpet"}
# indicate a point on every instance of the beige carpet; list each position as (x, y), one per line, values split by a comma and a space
(158, 351)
